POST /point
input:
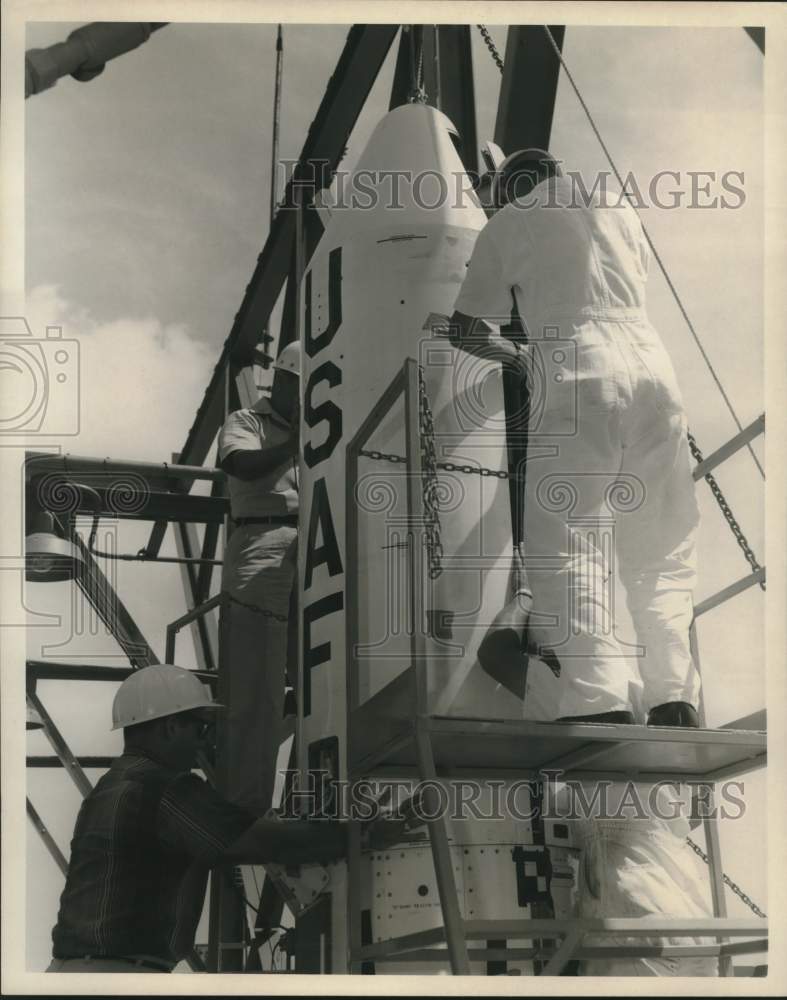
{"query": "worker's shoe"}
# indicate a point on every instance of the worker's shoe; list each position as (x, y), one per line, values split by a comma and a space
(620, 717)
(674, 713)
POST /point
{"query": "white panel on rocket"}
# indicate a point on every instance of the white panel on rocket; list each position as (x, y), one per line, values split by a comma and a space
(396, 248)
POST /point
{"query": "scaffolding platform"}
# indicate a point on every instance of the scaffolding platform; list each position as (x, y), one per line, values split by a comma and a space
(632, 751)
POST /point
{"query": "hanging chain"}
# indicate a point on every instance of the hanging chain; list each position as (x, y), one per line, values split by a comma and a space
(259, 611)
(491, 46)
(434, 545)
(384, 456)
(728, 881)
(725, 509)
(417, 93)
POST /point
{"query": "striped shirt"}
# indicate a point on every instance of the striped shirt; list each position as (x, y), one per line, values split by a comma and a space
(144, 841)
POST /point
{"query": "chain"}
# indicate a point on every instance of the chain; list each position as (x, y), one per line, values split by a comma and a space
(259, 611)
(728, 881)
(491, 46)
(434, 545)
(725, 509)
(383, 456)
(417, 93)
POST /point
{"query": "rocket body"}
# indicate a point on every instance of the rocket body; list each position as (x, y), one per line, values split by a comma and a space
(395, 250)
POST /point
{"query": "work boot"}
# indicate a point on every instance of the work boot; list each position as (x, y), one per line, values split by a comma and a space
(621, 717)
(674, 713)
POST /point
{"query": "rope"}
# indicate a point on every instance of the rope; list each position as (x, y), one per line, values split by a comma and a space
(652, 246)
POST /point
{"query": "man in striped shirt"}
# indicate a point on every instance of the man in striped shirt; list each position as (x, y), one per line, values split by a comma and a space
(150, 831)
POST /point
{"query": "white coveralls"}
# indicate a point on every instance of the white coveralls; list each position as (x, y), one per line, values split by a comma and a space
(608, 468)
(260, 564)
(638, 865)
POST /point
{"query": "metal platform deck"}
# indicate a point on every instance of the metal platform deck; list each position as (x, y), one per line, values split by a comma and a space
(636, 752)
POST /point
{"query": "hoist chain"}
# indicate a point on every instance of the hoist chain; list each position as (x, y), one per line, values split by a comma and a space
(470, 470)
(259, 611)
(382, 456)
(725, 509)
(417, 93)
(491, 46)
(728, 881)
(434, 545)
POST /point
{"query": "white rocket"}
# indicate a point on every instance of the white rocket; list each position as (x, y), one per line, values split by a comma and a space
(395, 249)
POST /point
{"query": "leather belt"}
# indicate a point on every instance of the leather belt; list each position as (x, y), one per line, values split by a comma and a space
(273, 519)
(146, 963)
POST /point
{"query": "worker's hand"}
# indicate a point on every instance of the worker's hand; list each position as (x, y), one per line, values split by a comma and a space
(437, 324)
(385, 832)
(330, 840)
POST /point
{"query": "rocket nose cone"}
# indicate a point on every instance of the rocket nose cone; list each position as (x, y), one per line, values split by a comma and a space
(409, 173)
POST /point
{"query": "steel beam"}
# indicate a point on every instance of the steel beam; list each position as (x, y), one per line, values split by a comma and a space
(111, 609)
(158, 475)
(416, 44)
(61, 748)
(584, 953)
(447, 79)
(364, 52)
(210, 543)
(734, 588)
(757, 35)
(443, 865)
(207, 635)
(755, 428)
(564, 953)
(757, 721)
(52, 670)
(457, 90)
(528, 88)
(101, 763)
(49, 841)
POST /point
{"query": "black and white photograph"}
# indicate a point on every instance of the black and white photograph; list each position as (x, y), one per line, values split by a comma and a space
(391, 583)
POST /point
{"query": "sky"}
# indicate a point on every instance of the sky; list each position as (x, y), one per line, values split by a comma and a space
(146, 205)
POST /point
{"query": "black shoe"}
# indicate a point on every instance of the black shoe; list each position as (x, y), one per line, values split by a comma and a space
(621, 717)
(674, 713)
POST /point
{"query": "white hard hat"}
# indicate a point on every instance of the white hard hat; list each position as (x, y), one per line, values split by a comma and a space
(153, 692)
(289, 360)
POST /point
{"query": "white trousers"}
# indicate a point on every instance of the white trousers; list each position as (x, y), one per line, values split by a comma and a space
(260, 565)
(630, 872)
(609, 481)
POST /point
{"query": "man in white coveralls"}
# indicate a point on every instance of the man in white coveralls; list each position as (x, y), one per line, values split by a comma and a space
(608, 445)
(259, 449)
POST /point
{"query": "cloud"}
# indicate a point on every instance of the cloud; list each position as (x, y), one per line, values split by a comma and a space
(141, 381)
